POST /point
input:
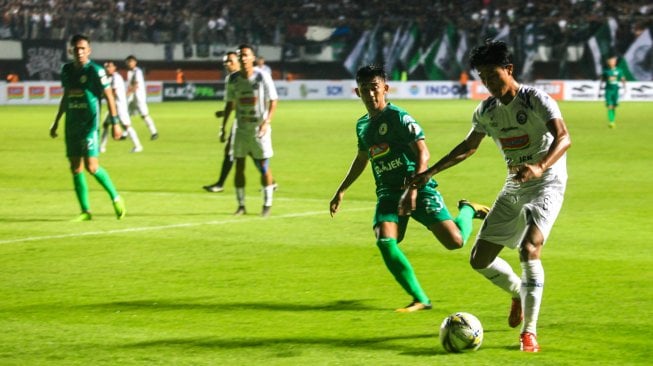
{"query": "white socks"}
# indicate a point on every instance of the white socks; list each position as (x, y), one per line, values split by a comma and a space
(267, 195)
(240, 196)
(149, 122)
(532, 286)
(131, 132)
(501, 274)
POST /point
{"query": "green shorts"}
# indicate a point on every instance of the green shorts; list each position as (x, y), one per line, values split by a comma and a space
(81, 143)
(430, 207)
(612, 97)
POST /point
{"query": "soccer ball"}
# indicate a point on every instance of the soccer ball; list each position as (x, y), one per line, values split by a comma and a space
(461, 332)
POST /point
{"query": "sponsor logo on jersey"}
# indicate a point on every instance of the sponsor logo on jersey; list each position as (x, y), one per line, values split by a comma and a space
(377, 151)
(514, 143)
(83, 79)
(77, 105)
(75, 93)
(386, 166)
(247, 100)
(522, 117)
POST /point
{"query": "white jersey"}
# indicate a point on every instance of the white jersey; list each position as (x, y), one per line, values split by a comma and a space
(136, 79)
(119, 90)
(120, 96)
(519, 130)
(251, 97)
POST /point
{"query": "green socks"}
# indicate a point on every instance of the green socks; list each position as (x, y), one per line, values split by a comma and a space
(81, 189)
(102, 176)
(464, 222)
(401, 269)
(611, 115)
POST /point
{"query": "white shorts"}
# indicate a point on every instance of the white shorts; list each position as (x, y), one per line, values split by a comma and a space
(138, 104)
(123, 115)
(514, 211)
(246, 143)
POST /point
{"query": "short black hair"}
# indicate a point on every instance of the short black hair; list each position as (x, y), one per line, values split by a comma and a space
(245, 45)
(370, 72)
(78, 37)
(491, 53)
(225, 58)
(131, 57)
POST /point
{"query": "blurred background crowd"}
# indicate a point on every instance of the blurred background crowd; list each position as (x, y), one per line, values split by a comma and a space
(526, 24)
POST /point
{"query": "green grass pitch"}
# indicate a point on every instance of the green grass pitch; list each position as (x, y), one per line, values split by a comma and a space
(181, 281)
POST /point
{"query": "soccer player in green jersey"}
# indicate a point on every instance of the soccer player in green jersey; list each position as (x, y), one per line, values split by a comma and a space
(610, 77)
(84, 83)
(394, 143)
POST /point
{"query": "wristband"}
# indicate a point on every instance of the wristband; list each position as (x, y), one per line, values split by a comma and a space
(115, 120)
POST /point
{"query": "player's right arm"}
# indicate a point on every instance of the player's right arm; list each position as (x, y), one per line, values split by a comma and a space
(228, 107)
(60, 112)
(357, 167)
(459, 153)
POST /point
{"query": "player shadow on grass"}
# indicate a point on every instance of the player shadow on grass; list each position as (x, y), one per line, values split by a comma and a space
(198, 304)
(31, 218)
(387, 342)
(375, 343)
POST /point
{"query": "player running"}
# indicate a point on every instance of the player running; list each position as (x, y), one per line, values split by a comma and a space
(527, 126)
(84, 83)
(394, 142)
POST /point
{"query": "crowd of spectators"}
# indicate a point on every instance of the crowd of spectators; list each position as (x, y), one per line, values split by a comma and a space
(268, 22)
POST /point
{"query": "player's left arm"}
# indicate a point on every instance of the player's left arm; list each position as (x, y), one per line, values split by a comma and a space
(561, 143)
(408, 200)
(113, 112)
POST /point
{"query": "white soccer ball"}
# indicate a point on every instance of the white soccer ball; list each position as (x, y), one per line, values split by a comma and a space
(461, 332)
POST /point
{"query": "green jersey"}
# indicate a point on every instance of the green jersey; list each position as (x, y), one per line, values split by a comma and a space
(612, 78)
(387, 139)
(84, 87)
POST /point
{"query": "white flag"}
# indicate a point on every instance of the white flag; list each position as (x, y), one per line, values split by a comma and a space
(639, 57)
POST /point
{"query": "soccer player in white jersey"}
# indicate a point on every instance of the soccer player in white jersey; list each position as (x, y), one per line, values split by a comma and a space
(528, 128)
(137, 96)
(252, 94)
(119, 92)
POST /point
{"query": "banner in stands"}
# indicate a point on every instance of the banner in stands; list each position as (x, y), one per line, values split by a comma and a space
(193, 91)
(33, 92)
(43, 59)
(50, 92)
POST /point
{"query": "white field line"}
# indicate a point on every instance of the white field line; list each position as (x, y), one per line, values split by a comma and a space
(239, 220)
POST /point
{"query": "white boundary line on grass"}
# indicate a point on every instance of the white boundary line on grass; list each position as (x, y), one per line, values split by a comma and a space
(173, 226)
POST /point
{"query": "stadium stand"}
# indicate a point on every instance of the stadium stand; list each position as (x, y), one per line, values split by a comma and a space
(549, 37)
